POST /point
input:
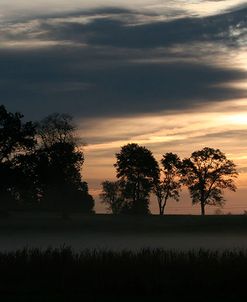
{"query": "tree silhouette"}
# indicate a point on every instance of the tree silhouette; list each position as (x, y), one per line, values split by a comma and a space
(56, 128)
(16, 138)
(207, 173)
(112, 196)
(170, 185)
(137, 170)
(27, 188)
(59, 162)
(40, 165)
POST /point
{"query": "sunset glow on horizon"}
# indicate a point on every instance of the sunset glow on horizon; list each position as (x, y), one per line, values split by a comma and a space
(222, 127)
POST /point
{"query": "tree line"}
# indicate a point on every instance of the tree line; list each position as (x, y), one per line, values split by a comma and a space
(40, 165)
(40, 168)
(206, 173)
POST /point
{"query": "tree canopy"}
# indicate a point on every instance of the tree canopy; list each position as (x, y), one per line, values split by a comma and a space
(168, 186)
(16, 137)
(56, 128)
(207, 173)
(40, 164)
(59, 162)
(137, 171)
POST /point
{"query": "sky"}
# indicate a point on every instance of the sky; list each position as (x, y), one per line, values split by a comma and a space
(169, 75)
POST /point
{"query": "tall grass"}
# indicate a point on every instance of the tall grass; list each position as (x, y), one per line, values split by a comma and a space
(147, 275)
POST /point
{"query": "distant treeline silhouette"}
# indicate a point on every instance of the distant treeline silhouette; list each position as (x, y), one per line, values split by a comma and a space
(206, 174)
(40, 165)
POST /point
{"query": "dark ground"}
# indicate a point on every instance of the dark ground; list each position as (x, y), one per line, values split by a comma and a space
(124, 223)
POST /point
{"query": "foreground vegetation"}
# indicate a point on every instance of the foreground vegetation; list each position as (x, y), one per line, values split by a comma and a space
(146, 275)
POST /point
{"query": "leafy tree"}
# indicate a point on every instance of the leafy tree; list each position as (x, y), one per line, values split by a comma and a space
(137, 170)
(41, 163)
(112, 196)
(170, 185)
(16, 138)
(207, 173)
(59, 162)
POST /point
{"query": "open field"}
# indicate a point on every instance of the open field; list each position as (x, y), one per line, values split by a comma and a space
(44, 230)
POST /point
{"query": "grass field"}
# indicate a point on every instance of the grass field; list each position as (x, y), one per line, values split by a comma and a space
(146, 275)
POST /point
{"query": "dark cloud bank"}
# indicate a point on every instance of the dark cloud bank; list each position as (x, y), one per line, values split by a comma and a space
(106, 77)
(116, 32)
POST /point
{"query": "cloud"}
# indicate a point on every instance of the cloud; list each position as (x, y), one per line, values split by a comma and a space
(230, 134)
(101, 66)
(114, 30)
(90, 84)
(119, 27)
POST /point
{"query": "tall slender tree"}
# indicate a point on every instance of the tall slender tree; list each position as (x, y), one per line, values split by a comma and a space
(169, 185)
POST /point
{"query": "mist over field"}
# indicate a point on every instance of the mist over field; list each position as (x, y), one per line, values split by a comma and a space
(107, 232)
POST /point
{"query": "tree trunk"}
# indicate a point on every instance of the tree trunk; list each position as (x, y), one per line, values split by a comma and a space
(162, 208)
(160, 205)
(202, 208)
(203, 200)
